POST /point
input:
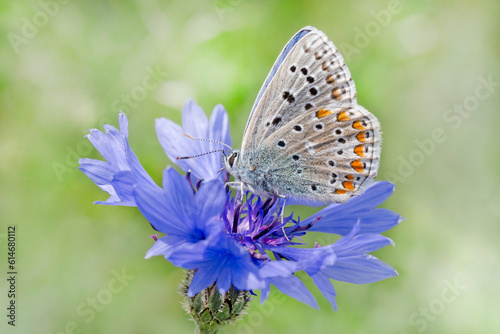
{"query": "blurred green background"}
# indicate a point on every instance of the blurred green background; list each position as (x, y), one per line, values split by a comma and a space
(428, 70)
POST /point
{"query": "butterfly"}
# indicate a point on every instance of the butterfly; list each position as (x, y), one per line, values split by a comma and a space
(306, 136)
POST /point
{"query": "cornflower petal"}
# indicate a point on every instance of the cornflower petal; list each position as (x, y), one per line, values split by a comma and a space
(196, 124)
(223, 254)
(121, 171)
(341, 218)
(327, 289)
(291, 286)
(360, 269)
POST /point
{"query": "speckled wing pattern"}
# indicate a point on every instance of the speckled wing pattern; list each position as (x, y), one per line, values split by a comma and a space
(324, 146)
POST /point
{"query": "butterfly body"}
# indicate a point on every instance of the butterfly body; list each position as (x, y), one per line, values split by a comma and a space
(306, 136)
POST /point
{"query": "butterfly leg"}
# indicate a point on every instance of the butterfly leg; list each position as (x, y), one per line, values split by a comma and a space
(282, 216)
(236, 185)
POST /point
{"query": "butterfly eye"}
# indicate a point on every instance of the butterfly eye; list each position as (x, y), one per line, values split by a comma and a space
(232, 158)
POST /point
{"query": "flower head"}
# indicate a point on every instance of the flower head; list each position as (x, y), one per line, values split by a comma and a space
(231, 242)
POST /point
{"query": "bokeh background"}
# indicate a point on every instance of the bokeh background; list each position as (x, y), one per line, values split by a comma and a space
(428, 70)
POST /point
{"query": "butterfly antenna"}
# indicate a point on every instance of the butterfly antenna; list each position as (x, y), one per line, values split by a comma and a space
(198, 155)
(208, 140)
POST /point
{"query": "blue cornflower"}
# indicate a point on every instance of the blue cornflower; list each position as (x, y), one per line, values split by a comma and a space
(228, 241)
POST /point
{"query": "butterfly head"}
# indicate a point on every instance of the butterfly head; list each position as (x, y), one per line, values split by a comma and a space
(230, 161)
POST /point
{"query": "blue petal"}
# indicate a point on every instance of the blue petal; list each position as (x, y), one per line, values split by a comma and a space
(293, 287)
(270, 269)
(219, 125)
(224, 280)
(164, 246)
(194, 120)
(178, 251)
(326, 287)
(264, 293)
(123, 121)
(139, 173)
(372, 221)
(195, 123)
(113, 198)
(375, 195)
(245, 275)
(121, 171)
(162, 215)
(177, 210)
(204, 277)
(179, 198)
(188, 255)
(277, 269)
(310, 260)
(123, 183)
(111, 145)
(361, 244)
(223, 252)
(361, 269)
(98, 171)
(218, 130)
(210, 200)
(175, 144)
(340, 218)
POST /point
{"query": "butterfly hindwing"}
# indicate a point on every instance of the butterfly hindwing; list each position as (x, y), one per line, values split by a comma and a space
(331, 153)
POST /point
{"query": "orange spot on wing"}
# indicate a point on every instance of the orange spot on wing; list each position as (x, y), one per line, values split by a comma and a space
(349, 177)
(323, 112)
(359, 150)
(361, 136)
(343, 116)
(336, 93)
(358, 125)
(348, 185)
(340, 191)
(357, 165)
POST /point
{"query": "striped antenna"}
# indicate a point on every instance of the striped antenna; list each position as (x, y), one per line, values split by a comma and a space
(208, 140)
(199, 155)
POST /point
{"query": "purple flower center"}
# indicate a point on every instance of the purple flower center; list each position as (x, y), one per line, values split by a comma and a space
(255, 223)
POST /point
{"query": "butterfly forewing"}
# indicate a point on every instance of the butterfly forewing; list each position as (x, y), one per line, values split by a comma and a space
(311, 74)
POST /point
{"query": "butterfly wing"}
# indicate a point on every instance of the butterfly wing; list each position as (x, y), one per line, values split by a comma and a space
(314, 138)
(328, 154)
(308, 73)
